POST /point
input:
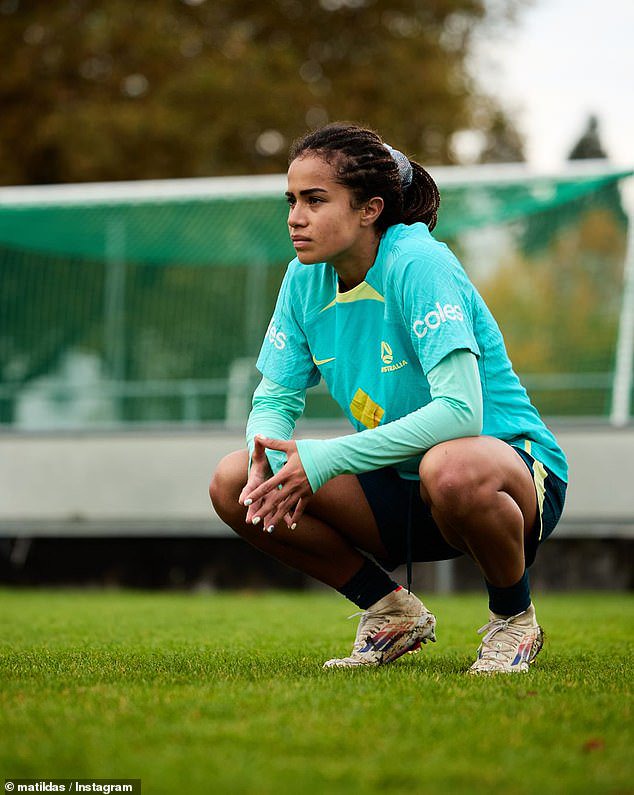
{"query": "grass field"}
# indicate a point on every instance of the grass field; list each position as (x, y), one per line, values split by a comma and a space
(224, 693)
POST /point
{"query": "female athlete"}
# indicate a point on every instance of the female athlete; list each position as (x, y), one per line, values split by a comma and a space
(450, 457)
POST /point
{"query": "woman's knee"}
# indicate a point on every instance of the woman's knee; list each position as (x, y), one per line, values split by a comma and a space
(227, 483)
(452, 482)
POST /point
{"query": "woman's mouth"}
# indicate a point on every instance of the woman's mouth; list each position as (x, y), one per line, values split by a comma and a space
(299, 242)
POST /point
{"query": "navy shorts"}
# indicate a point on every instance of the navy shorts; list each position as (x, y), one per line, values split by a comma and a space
(389, 498)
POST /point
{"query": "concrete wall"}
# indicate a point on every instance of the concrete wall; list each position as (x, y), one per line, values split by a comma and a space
(155, 483)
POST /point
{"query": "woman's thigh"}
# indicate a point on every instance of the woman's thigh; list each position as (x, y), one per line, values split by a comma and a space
(467, 472)
(342, 504)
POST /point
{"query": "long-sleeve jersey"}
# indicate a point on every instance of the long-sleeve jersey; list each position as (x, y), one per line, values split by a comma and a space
(379, 345)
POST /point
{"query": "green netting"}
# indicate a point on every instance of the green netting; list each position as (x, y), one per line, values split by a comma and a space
(201, 232)
(92, 332)
(240, 230)
(476, 206)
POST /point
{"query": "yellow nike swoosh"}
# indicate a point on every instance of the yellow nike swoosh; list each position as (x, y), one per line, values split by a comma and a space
(319, 362)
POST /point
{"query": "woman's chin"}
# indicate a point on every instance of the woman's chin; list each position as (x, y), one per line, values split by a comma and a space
(307, 259)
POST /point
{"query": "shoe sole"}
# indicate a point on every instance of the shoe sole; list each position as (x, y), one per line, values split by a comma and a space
(537, 645)
(415, 642)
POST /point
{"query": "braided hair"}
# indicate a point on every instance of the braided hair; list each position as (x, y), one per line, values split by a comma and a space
(365, 165)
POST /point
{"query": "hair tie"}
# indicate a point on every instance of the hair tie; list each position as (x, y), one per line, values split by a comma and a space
(405, 170)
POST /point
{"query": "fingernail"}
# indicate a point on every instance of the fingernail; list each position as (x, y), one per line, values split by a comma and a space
(255, 520)
(294, 525)
(270, 528)
(248, 502)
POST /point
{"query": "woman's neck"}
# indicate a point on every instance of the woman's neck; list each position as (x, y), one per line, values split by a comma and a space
(352, 270)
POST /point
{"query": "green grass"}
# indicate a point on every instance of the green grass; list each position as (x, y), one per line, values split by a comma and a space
(224, 693)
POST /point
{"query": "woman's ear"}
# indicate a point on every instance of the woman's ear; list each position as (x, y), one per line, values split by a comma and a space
(371, 211)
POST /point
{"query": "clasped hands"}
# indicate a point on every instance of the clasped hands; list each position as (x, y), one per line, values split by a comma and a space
(271, 498)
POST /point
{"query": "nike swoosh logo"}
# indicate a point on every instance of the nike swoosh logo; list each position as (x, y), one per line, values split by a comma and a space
(319, 362)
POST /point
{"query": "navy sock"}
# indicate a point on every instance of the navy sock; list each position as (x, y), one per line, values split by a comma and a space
(512, 600)
(368, 585)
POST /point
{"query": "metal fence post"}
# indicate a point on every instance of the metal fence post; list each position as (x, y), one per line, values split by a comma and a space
(622, 388)
(114, 301)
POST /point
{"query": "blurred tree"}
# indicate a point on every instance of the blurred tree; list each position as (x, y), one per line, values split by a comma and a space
(108, 89)
(502, 142)
(589, 146)
(565, 287)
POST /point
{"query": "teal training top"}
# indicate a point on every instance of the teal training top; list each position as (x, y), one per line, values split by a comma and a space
(455, 411)
(376, 344)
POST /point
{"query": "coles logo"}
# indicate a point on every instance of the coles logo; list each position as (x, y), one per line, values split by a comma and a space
(436, 317)
(275, 337)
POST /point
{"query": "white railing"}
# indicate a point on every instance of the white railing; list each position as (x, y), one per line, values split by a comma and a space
(100, 404)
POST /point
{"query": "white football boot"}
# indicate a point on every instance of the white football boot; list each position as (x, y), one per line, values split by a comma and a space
(396, 624)
(510, 643)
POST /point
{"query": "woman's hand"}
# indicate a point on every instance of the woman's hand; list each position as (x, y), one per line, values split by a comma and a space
(282, 496)
(259, 473)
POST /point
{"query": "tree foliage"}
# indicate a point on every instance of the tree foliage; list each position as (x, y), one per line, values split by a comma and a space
(589, 146)
(108, 89)
(558, 303)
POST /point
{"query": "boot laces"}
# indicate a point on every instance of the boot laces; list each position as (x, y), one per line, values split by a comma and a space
(369, 625)
(507, 637)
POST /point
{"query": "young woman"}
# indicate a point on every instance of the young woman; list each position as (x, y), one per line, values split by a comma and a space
(449, 457)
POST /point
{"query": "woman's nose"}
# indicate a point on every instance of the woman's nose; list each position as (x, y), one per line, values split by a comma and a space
(295, 217)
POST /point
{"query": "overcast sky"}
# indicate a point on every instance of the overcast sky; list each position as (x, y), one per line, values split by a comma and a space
(565, 60)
